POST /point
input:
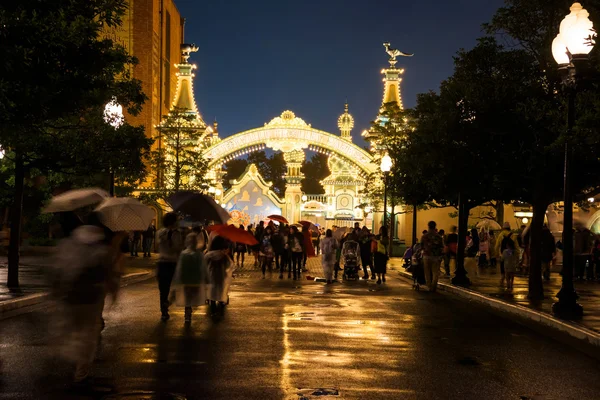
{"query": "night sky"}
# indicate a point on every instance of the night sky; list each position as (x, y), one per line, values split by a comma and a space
(258, 58)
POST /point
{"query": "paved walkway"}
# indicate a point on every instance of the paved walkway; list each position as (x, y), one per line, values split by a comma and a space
(33, 268)
(488, 283)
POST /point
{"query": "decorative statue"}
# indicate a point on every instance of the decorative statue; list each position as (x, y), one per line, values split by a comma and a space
(394, 53)
(187, 49)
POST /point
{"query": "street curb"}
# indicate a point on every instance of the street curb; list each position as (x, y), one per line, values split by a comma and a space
(575, 331)
(37, 298)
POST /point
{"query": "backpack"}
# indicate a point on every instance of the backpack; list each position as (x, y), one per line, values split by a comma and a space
(504, 243)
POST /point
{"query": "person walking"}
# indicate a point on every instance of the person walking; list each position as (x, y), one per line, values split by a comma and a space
(219, 268)
(328, 248)
(309, 250)
(134, 243)
(278, 243)
(471, 254)
(484, 247)
(380, 257)
(296, 242)
(190, 277)
(170, 244)
(148, 238)
(583, 241)
(85, 272)
(451, 250)
(267, 254)
(433, 247)
(501, 241)
(240, 250)
(510, 259)
(258, 234)
(548, 251)
(364, 240)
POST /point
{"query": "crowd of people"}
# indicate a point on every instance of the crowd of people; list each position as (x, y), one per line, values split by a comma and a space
(506, 252)
(284, 249)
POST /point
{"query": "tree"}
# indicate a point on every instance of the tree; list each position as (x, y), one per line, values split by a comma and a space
(315, 170)
(233, 170)
(56, 76)
(178, 160)
(532, 26)
(272, 168)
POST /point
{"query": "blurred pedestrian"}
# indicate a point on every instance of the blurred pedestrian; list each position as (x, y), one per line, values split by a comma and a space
(148, 238)
(219, 267)
(364, 239)
(548, 253)
(433, 247)
(267, 254)
(380, 255)
(451, 248)
(240, 250)
(190, 279)
(134, 242)
(501, 241)
(170, 244)
(296, 240)
(583, 241)
(328, 246)
(86, 270)
(309, 250)
(510, 259)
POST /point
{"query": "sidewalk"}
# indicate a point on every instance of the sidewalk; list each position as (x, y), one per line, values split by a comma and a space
(487, 286)
(32, 276)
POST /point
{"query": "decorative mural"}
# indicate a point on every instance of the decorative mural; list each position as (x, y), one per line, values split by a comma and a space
(250, 199)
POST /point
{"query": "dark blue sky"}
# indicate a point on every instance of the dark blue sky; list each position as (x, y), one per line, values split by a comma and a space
(258, 58)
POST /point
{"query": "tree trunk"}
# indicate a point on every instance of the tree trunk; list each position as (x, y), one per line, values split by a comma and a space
(536, 287)
(460, 276)
(15, 224)
(414, 225)
(499, 207)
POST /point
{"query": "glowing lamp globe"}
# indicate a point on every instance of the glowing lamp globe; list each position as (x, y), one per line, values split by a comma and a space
(576, 35)
(304, 197)
(113, 114)
(386, 163)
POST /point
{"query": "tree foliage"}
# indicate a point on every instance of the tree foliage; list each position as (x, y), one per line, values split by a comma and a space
(315, 170)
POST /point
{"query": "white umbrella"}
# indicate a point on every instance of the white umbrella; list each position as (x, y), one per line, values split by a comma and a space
(124, 214)
(74, 199)
(489, 224)
(339, 232)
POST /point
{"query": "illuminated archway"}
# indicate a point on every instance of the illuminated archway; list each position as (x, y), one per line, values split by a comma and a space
(288, 133)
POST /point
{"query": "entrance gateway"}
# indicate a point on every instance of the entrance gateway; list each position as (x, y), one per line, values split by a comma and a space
(348, 163)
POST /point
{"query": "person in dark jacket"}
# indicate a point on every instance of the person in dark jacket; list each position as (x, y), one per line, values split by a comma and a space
(278, 243)
(296, 243)
(548, 251)
(148, 238)
(365, 239)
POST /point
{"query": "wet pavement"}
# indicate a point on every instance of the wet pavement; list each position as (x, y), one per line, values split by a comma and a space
(285, 339)
(33, 271)
(487, 282)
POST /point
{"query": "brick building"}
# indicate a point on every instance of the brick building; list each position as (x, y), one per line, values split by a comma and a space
(152, 31)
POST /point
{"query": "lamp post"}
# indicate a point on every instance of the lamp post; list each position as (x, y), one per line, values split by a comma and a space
(570, 49)
(386, 166)
(113, 116)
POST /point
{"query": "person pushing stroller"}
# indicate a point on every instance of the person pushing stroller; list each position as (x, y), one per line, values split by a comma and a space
(350, 258)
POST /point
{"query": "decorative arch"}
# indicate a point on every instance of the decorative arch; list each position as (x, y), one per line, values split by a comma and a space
(288, 133)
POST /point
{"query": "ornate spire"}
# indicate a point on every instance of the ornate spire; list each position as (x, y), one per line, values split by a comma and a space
(184, 102)
(346, 123)
(391, 91)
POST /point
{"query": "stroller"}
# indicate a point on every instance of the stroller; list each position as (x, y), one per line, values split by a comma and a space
(416, 267)
(350, 258)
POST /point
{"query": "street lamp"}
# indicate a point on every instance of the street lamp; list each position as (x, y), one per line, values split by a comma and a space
(570, 49)
(304, 198)
(113, 116)
(386, 166)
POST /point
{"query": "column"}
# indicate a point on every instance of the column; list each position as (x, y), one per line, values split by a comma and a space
(293, 190)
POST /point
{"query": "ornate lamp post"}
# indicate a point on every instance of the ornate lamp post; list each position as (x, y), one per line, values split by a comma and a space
(570, 49)
(113, 116)
(386, 166)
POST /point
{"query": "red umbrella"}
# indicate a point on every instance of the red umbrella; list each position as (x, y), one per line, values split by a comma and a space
(233, 234)
(278, 218)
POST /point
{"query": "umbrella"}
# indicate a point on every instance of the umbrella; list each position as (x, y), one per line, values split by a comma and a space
(489, 224)
(125, 214)
(233, 234)
(74, 199)
(309, 225)
(278, 218)
(198, 206)
(339, 232)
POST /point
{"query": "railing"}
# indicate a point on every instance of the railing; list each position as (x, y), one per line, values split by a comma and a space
(321, 198)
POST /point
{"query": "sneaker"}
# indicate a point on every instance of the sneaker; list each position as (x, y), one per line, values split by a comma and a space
(366, 277)
(373, 277)
(379, 281)
(383, 279)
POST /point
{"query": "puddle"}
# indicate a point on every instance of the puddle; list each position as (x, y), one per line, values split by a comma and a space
(321, 393)
(144, 395)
